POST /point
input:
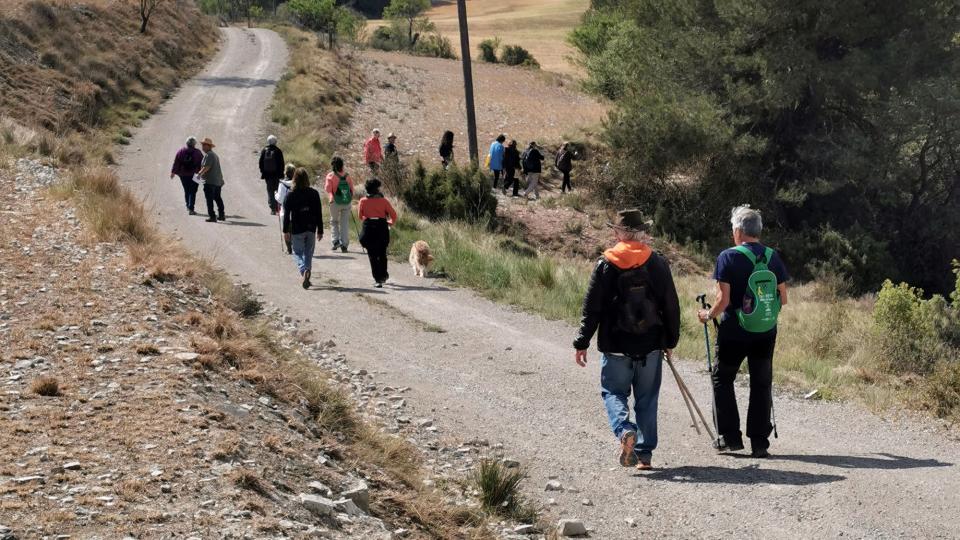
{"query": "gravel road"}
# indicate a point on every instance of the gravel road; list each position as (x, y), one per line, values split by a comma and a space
(509, 377)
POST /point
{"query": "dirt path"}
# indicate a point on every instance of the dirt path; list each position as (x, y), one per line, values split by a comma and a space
(509, 377)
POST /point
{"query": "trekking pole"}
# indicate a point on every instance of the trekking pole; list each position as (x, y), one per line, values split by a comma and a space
(773, 415)
(283, 241)
(718, 440)
(357, 227)
(686, 399)
(686, 391)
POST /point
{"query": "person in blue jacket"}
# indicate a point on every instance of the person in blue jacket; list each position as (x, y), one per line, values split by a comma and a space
(496, 159)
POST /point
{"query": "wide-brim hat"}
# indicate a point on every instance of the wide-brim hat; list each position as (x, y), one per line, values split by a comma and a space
(207, 141)
(632, 220)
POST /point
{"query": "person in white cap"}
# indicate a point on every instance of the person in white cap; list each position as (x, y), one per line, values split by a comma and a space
(271, 170)
(373, 152)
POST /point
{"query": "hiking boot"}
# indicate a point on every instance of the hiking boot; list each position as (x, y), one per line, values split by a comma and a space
(378, 284)
(191, 212)
(644, 465)
(726, 446)
(211, 220)
(306, 280)
(336, 245)
(343, 248)
(759, 453)
(222, 217)
(628, 458)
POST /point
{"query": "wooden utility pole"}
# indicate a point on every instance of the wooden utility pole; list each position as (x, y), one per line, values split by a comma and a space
(468, 80)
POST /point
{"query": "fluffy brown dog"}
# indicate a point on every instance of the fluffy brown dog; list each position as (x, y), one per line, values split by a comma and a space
(420, 258)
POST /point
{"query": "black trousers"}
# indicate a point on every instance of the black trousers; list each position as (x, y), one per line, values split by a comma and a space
(759, 356)
(189, 191)
(510, 179)
(496, 179)
(375, 238)
(212, 195)
(272, 185)
(566, 182)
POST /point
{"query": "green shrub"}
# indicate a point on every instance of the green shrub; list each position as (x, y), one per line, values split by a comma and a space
(488, 50)
(515, 55)
(434, 45)
(914, 332)
(454, 193)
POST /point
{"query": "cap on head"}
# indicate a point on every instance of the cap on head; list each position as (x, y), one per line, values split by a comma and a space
(391, 137)
(271, 140)
(632, 220)
(376, 131)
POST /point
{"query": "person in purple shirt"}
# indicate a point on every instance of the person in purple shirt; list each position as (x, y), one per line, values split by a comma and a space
(185, 165)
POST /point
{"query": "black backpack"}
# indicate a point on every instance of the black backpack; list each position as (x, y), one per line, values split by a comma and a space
(269, 160)
(636, 305)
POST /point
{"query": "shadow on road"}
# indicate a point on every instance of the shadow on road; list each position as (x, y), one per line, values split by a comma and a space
(884, 461)
(332, 258)
(742, 476)
(244, 223)
(371, 290)
(417, 287)
(235, 82)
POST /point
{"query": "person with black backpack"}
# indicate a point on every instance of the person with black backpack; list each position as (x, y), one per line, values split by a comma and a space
(751, 289)
(633, 303)
(271, 171)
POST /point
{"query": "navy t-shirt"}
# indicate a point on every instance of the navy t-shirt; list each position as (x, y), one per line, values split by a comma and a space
(735, 268)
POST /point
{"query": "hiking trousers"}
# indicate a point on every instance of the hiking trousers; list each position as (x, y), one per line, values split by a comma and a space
(340, 223)
(533, 185)
(212, 195)
(566, 182)
(376, 238)
(272, 185)
(496, 179)
(759, 356)
(510, 180)
(619, 375)
(302, 246)
(189, 191)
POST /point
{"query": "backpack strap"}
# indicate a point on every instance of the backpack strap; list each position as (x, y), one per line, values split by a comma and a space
(748, 253)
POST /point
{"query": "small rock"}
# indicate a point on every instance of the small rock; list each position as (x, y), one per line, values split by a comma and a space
(586, 502)
(166, 488)
(554, 485)
(320, 506)
(424, 423)
(359, 495)
(28, 479)
(401, 533)
(321, 488)
(630, 522)
(72, 466)
(525, 529)
(186, 356)
(511, 463)
(571, 527)
(347, 507)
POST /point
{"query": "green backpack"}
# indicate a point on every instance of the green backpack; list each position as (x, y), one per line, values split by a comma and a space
(761, 302)
(342, 194)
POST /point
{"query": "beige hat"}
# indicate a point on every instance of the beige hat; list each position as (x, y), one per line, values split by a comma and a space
(207, 141)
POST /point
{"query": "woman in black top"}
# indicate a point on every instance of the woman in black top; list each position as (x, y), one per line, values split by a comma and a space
(303, 222)
(446, 149)
(511, 162)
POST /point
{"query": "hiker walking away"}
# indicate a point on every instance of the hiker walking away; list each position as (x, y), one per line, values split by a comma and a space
(377, 216)
(632, 300)
(186, 164)
(532, 160)
(339, 189)
(496, 159)
(303, 223)
(446, 149)
(564, 164)
(511, 162)
(212, 177)
(283, 189)
(751, 288)
(373, 152)
(271, 171)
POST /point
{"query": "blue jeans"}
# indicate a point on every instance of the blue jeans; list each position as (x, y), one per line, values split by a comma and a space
(618, 375)
(189, 191)
(302, 245)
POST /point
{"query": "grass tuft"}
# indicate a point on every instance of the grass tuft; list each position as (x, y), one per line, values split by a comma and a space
(499, 488)
(46, 386)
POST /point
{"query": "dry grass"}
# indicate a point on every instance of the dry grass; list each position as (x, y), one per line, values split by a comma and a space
(46, 386)
(112, 212)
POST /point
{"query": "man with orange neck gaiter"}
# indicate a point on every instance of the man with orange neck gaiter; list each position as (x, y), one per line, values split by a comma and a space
(633, 303)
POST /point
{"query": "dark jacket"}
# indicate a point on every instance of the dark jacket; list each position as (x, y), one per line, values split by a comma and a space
(511, 158)
(187, 162)
(564, 161)
(600, 304)
(276, 172)
(302, 212)
(446, 151)
(532, 160)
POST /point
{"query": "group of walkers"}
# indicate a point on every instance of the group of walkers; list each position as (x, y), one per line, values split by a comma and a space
(632, 306)
(298, 205)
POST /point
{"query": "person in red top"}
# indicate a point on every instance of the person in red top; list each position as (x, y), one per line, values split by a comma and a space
(378, 216)
(373, 152)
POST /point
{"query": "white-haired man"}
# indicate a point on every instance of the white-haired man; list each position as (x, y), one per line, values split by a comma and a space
(271, 171)
(633, 303)
(373, 152)
(739, 296)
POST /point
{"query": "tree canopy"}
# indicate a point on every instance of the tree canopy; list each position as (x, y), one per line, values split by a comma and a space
(839, 120)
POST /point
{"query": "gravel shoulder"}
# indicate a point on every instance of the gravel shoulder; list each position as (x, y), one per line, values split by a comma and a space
(508, 377)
